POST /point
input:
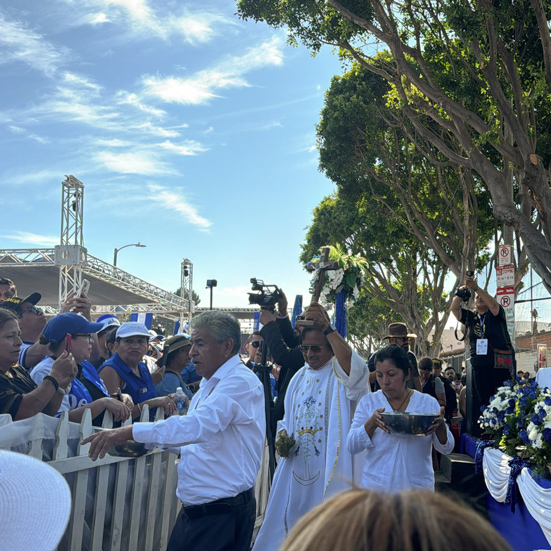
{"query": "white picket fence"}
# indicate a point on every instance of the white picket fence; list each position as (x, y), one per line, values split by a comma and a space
(122, 503)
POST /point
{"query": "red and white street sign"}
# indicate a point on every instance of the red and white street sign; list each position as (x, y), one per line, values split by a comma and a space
(505, 296)
(505, 275)
(505, 254)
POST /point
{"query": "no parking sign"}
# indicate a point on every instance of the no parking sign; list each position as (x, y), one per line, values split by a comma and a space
(505, 255)
(505, 296)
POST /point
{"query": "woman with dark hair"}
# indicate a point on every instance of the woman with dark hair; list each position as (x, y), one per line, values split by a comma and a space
(175, 358)
(19, 395)
(87, 390)
(394, 461)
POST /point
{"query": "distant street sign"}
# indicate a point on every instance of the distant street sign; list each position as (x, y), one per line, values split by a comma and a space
(506, 275)
(505, 255)
(506, 297)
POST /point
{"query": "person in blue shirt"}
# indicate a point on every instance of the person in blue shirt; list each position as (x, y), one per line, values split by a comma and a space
(175, 358)
(87, 390)
(125, 370)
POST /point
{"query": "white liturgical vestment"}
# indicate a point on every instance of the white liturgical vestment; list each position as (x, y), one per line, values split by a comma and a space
(319, 408)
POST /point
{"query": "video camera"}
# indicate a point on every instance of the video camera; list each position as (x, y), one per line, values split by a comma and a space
(464, 294)
(268, 296)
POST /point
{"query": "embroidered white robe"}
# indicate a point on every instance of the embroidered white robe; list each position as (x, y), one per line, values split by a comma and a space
(319, 408)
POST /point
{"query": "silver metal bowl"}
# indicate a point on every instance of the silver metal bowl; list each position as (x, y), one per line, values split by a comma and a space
(415, 424)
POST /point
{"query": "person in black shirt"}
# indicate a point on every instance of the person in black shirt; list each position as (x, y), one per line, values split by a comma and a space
(487, 331)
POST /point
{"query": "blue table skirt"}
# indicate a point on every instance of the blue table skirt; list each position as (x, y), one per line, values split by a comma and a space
(520, 529)
(468, 444)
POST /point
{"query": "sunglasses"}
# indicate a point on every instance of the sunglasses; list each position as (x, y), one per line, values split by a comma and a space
(315, 348)
(256, 344)
(33, 309)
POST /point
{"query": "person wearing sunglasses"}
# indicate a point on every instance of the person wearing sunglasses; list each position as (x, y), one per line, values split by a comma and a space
(31, 322)
(20, 397)
(311, 439)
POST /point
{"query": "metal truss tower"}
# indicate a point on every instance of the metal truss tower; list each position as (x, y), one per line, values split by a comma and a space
(186, 287)
(70, 254)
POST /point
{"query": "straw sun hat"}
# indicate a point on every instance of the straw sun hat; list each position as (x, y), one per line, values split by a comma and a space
(35, 503)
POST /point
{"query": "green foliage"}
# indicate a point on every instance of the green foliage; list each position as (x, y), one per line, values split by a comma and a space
(468, 92)
(313, 23)
(194, 295)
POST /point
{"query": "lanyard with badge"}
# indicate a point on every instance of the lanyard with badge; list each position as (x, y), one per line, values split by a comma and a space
(482, 343)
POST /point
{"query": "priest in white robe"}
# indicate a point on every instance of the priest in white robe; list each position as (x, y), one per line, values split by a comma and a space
(319, 408)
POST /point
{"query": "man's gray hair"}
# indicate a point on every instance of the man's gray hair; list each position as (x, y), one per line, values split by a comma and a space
(221, 326)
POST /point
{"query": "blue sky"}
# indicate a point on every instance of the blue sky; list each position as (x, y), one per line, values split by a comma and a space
(192, 131)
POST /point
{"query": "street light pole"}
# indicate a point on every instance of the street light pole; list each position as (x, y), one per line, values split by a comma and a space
(211, 283)
(138, 244)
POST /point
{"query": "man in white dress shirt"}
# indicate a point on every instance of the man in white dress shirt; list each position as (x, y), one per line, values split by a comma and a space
(319, 408)
(221, 441)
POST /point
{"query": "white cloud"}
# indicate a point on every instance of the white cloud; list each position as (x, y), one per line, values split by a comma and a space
(139, 162)
(99, 18)
(270, 125)
(80, 81)
(38, 139)
(115, 142)
(177, 90)
(228, 73)
(18, 43)
(128, 98)
(17, 129)
(157, 130)
(188, 147)
(142, 19)
(175, 200)
(29, 238)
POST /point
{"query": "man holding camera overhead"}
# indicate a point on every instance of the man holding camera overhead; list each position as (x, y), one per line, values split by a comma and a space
(491, 351)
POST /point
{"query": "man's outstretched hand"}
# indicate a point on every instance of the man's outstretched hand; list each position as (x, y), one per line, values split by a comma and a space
(103, 441)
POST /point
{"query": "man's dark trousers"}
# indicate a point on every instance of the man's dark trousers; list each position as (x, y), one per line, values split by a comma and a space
(223, 525)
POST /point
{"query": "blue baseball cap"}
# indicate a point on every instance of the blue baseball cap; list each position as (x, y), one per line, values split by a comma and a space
(58, 327)
(108, 320)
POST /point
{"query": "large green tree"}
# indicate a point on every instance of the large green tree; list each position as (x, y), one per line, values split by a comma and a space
(472, 77)
(404, 281)
(367, 149)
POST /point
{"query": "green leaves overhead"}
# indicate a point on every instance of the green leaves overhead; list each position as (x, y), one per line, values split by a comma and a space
(468, 86)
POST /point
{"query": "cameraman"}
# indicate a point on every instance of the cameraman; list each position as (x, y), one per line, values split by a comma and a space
(290, 359)
(487, 330)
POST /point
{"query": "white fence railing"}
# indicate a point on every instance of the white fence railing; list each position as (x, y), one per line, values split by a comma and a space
(119, 503)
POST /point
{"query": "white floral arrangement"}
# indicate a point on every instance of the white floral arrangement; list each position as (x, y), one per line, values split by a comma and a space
(349, 276)
(493, 418)
(539, 427)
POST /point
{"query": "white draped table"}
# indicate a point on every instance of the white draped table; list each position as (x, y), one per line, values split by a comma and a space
(536, 498)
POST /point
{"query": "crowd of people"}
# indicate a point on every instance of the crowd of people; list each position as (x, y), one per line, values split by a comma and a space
(303, 389)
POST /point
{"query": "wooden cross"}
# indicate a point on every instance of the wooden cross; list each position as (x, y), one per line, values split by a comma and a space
(319, 268)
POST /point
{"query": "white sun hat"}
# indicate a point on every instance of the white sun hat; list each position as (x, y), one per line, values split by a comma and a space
(35, 503)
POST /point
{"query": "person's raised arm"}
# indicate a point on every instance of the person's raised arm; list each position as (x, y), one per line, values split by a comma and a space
(34, 355)
(281, 353)
(488, 299)
(340, 347)
(456, 307)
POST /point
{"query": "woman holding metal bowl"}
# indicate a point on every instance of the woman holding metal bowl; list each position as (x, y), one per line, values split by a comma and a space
(396, 461)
